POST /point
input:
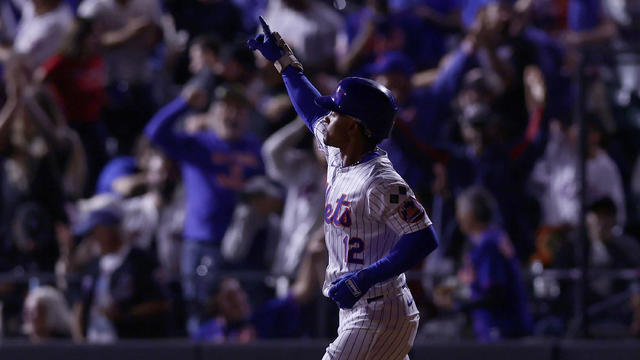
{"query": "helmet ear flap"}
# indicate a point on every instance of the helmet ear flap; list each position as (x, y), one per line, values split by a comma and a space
(364, 129)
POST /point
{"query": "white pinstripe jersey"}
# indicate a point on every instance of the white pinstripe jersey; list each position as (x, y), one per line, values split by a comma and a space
(368, 207)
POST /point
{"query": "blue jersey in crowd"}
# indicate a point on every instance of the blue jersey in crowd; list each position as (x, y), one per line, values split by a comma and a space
(496, 268)
(213, 170)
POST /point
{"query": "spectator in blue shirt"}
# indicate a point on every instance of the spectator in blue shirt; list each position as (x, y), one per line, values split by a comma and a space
(215, 165)
(497, 305)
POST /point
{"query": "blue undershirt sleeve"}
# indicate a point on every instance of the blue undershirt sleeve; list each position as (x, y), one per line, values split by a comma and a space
(408, 252)
(302, 94)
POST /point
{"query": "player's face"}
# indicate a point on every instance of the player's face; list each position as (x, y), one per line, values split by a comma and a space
(339, 128)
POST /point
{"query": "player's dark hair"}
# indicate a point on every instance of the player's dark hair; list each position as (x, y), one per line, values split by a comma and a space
(370, 142)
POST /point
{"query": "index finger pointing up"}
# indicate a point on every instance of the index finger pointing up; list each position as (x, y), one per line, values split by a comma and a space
(265, 27)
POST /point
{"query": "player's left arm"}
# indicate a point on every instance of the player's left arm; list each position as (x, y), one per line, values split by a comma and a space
(402, 212)
(408, 252)
(301, 92)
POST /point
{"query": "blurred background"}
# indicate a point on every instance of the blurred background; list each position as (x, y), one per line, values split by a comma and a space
(155, 182)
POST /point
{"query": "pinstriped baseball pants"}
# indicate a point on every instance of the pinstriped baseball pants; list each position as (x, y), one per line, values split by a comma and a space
(378, 330)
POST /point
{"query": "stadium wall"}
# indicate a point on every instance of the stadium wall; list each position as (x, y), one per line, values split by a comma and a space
(302, 350)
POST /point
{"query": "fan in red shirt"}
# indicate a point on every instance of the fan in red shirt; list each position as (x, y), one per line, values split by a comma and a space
(77, 78)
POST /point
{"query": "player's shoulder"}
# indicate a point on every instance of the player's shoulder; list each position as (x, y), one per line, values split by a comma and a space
(383, 176)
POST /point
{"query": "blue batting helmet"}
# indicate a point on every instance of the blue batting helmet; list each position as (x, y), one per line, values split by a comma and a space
(371, 103)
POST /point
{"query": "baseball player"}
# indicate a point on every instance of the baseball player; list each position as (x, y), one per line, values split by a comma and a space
(375, 230)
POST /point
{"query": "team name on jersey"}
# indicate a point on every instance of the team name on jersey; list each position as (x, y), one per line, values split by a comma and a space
(341, 214)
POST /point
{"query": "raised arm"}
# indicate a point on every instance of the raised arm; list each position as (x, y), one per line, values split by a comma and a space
(532, 143)
(161, 128)
(276, 149)
(300, 89)
(449, 78)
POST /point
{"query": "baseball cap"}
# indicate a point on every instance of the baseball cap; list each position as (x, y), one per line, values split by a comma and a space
(99, 210)
(392, 62)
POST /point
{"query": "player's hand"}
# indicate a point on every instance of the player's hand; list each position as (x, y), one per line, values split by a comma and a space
(347, 290)
(266, 43)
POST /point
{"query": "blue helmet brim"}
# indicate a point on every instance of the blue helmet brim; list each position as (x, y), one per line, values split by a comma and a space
(327, 102)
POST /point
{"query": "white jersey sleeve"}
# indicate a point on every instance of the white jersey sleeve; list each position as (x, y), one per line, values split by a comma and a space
(319, 132)
(395, 204)
(332, 153)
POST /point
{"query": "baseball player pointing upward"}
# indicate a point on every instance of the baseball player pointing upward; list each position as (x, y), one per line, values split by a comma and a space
(375, 229)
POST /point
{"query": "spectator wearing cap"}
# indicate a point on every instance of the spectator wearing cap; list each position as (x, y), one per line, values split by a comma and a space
(422, 111)
(497, 304)
(215, 164)
(122, 297)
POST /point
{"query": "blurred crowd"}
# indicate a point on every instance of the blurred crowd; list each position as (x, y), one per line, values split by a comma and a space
(150, 163)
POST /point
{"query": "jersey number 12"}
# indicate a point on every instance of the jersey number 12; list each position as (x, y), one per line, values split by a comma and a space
(352, 249)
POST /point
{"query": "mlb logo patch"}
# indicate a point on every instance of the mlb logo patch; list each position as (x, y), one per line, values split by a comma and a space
(411, 211)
